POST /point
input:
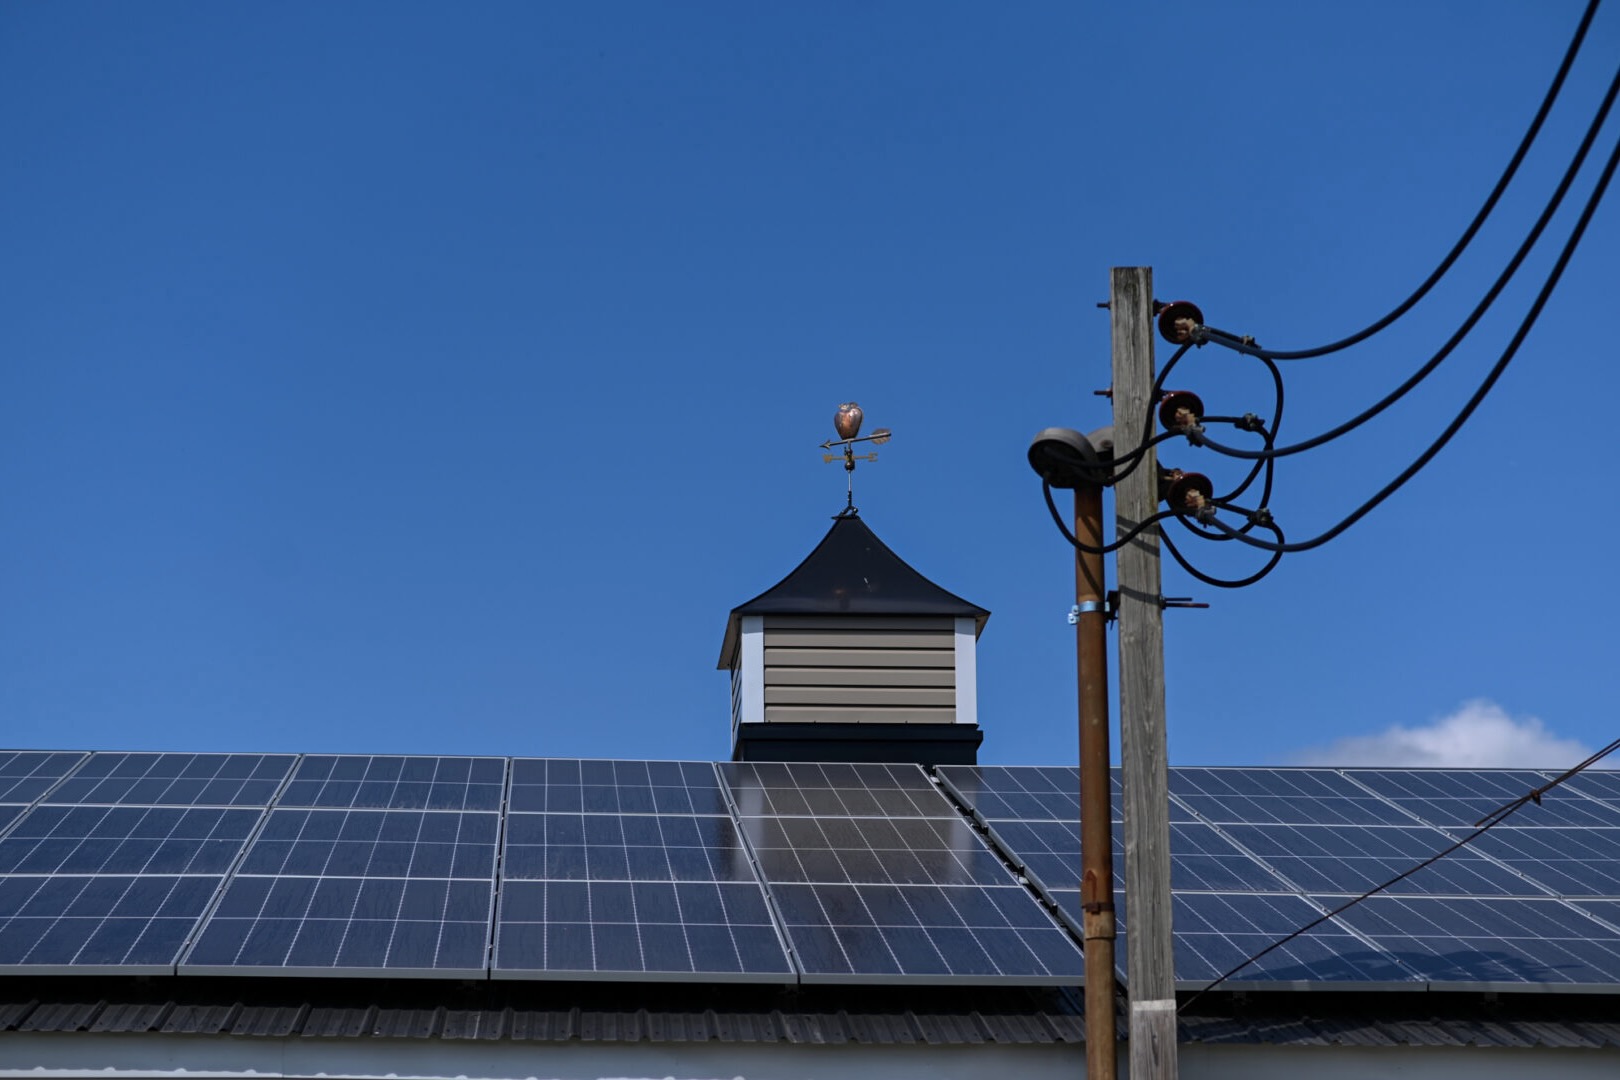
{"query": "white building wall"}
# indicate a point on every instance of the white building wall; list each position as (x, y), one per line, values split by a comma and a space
(28, 1054)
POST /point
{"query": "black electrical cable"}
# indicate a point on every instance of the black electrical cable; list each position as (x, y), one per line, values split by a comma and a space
(1270, 437)
(1473, 402)
(1479, 219)
(1134, 456)
(1222, 583)
(1057, 516)
(1485, 824)
(1461, 332)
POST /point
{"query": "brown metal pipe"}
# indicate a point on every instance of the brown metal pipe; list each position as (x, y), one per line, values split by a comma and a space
(1096, 834)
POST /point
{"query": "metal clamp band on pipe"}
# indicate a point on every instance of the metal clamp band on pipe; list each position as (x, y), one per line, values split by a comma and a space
(1086, 607)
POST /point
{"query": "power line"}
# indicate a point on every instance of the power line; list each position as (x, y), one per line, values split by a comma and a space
(1231, 341)
(1473, 402)
(1474, 226)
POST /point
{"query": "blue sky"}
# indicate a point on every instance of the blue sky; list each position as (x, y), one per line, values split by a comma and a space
(435, 378)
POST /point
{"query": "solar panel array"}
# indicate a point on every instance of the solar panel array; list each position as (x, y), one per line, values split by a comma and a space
(1258, 853)
(460, 867)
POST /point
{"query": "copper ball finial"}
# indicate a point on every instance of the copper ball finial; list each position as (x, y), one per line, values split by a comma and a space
(848, 420)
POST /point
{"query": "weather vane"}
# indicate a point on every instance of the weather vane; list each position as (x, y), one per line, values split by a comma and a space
(848, 423)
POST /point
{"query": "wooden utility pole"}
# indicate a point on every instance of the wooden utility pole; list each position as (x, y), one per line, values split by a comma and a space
(1150, 974)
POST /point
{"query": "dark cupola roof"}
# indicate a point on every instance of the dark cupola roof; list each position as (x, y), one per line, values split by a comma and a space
(851, 572)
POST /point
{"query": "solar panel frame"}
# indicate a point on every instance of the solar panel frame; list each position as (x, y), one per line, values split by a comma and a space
(279, 902)
(636, 870)
(879, 879)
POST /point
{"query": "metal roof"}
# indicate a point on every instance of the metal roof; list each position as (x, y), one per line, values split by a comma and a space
(888, 1018)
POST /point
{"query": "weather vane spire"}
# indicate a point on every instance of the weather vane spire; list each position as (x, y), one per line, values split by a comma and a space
(847, 421)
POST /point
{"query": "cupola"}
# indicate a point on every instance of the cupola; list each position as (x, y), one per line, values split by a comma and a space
(854, 656)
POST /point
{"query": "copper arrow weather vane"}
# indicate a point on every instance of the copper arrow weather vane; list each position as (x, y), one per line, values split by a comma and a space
(847, 421)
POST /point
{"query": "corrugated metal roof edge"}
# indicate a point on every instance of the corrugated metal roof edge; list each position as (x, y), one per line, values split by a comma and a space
(1016, 1017)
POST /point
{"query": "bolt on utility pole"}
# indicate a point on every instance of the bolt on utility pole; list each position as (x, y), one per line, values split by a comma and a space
(1150, 972)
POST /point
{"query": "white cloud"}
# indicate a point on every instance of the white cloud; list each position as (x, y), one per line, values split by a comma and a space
(1480, 734)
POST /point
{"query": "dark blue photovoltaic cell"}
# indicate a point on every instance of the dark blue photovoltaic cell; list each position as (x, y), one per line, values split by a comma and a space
(8, 814)
(643, 929)
(126, 840)
(613, 847)
(567, 785)
(1214, 932)
(808, 789)
(878, 878)
(1503, 941)
(1570, 862)
(351, 925)
(375, 843)
(397, 783)
(1457, 798)
(25, 775)
(629, 869)
(1603, 784)
(88, 923)
(1023, 793)
(175, 780)
(1046, 845)
(1350, 858)
(1281, 797)
(357, 892)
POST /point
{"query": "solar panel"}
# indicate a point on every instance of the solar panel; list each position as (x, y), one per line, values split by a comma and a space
(1499, 943)
(1457, 798)
(25, 775)
(111, 888)
(1280, 797)
(144, 779)
(126, 840)
(629, 869)
(878, 878)
(88, 924)
(392, 782)
(1568, 862)
(1352, 859)
(1603, 784)
(1214, 932)
(357, 892)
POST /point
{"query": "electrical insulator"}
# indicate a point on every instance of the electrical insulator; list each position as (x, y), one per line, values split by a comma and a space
(1180, 409)
(1188, 492)
(1178, 320)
